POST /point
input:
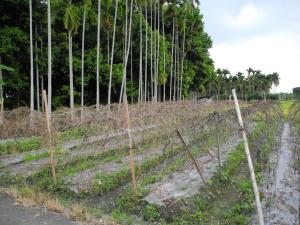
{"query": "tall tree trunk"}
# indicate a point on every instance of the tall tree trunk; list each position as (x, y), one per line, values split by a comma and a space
(151, 49)
(108, 49)
(146, 51)
(37, 73)
(1, 79)
(178, 67)
(155, 59)
(49, 58)
(131, 72)
(182, 60)
(163, 28)
(98, 55)
(141, 60)
(123, 86)
(71, 70)
(42, 80)
(31, 60)
(128, 44)
(175, 64)
(172, 59)
(1, 95)
(112, 55)
(82, 56)
(158, 48)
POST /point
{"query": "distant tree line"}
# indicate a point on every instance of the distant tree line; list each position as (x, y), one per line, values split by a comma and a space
(252, 85)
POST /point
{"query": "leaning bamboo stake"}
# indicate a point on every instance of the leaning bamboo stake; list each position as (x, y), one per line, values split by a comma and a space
(52, 160)
(218, 143)
(131, 155)
(247, 151)
(190, 154)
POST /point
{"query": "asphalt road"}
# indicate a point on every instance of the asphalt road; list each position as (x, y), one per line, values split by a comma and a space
(13, 214)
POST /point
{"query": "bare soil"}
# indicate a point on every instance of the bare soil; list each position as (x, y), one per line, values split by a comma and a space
(187, 182)
(282, 190)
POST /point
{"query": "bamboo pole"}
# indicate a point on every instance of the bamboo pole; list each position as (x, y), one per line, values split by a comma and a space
(250, 164)
(131, 155)
(190, 154)
(52, 160)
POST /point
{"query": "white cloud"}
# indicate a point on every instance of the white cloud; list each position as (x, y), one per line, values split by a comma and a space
(276, 52)
(248, 16)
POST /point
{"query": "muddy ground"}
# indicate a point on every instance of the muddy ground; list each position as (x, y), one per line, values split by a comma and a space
(281, 201)
(187, 182)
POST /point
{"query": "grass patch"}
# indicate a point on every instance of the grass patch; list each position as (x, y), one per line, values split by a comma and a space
(285, 106)
(20, 145)
(31, 157)
(72, 134)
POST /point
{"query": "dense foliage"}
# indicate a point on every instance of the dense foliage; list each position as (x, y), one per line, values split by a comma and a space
(296, 92)
(165, 52)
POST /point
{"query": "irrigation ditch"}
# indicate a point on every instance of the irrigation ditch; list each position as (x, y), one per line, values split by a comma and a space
(188, 161)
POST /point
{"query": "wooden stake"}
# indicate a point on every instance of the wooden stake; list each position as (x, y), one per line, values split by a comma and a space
(131, 155)
(190, 154)
(247, 151)
(52, 160)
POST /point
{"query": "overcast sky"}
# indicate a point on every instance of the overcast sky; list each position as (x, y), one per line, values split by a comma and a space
(261, 34)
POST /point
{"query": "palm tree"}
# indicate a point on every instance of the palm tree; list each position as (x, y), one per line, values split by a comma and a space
(31, 60)
(112, 55)
(49, 58)
(86, 7)
(240, 80)
(250, 73)
(71, 22)
(275, 79)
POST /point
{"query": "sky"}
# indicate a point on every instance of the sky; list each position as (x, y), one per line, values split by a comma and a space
(261, 34)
